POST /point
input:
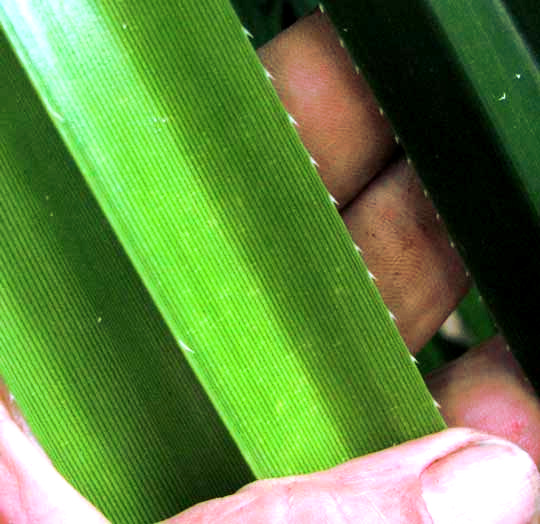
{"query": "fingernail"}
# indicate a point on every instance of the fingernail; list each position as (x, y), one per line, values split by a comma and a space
(488, 482)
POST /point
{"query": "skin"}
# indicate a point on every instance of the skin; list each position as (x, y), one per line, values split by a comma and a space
(421, 278)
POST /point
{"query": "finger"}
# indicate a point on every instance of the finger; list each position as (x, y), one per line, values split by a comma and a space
(338, 118)
(420, 275)
(31, 489)
(454, 476)
(487, 390)
(421, 278)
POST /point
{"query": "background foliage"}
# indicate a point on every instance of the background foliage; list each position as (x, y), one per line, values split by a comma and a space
(265, 18)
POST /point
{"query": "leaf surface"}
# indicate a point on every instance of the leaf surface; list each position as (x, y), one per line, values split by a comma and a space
(461, 84)
(209, 198)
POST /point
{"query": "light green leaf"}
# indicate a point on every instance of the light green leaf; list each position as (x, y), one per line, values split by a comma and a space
(83, 347)
(181, 139)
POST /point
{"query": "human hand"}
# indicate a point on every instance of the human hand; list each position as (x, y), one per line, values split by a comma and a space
(458, 475)
(421, 279)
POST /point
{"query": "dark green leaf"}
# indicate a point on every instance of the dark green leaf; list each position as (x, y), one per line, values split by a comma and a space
(461, 84)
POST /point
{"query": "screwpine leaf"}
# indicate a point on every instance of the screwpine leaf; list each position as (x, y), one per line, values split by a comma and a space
(215, 234)
(460, 81)
(83, 347)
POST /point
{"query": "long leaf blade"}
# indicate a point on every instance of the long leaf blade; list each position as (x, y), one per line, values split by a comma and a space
(84, 349)
(460, 81)
(182, 139)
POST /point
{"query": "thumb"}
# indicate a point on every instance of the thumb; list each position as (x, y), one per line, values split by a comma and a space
(454, 476)
(488, 480)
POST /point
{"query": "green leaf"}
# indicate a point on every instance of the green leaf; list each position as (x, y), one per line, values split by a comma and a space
(84, 349)
(460, 82)
(476, 318)
(208, 196)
